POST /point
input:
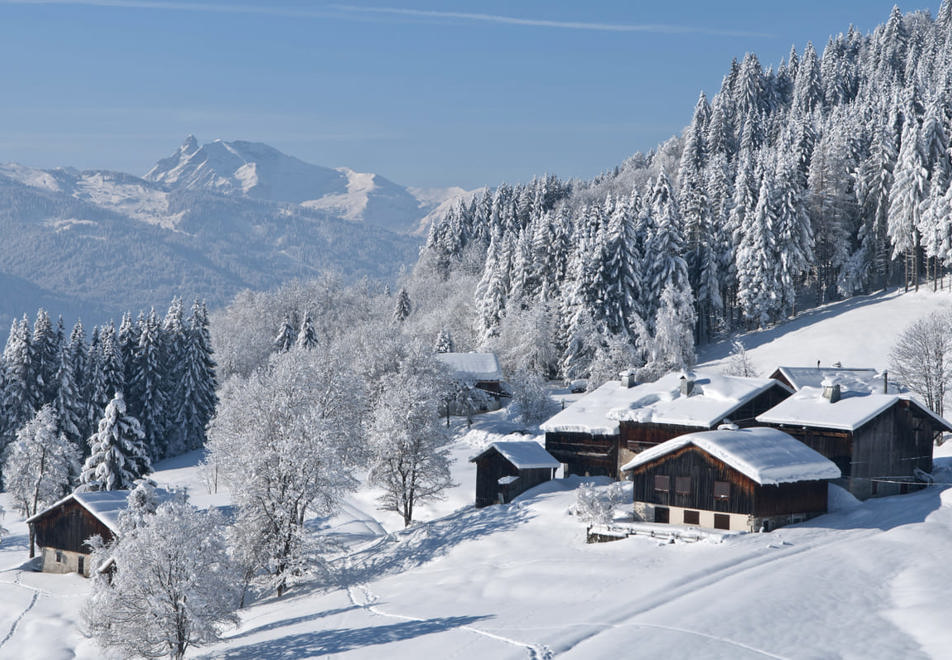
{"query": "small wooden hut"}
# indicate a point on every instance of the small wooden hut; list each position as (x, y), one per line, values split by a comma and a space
(753, 479)
(506, 469)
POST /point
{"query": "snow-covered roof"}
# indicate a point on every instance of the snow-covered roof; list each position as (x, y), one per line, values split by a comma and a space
(767, 456)
(105, 505)
(479, 366)
(524, 454)
(857, 380)
(808, 407)
(713, 398)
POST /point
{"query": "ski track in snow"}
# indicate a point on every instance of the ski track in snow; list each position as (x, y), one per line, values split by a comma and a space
(536, 651)
(710, 578)
(36, 595)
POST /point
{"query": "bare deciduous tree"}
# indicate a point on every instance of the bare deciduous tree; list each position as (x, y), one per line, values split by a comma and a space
(922, 358)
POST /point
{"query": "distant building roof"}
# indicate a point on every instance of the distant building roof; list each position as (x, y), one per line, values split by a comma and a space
(809, 408)
(478, 366)
(858, 380)
(713, 398)
(105, 505)
(767, 456)
(524, 454)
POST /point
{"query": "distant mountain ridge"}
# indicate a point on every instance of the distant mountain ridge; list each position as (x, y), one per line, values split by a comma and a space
(207, 221)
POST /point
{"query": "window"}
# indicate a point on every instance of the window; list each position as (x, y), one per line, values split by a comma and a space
(59, 557)
(662, 483)
(722, 490)
(692, 517)
(661, 514)
(682, 485)
(81, 566)
(722, 521)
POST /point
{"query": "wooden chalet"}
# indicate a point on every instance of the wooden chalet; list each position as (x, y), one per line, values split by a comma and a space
(508, 468)
(606, 428)
(882, 443)
(63, 528)
(753, 479)
(481, 370)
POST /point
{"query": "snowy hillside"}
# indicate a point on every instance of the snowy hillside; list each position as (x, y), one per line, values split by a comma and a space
(519, 581)
(109, 242)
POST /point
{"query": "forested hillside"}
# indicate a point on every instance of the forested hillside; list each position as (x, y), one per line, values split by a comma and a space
(826, 176)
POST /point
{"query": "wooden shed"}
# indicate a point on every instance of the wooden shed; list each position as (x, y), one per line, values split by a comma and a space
(606, 428)
(882, 443)
(63, 528)
(506, 469)
(479, 370)
(753, 479)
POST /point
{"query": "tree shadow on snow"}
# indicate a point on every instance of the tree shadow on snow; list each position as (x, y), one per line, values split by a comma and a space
(417, 545)
(756, 338)
(294, 621)
(340, 640)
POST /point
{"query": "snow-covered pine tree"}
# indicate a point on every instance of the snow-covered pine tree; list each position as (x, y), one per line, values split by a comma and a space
(68, 405)
(118, 454)
(19, 394)
(198, 397)
(45, 358)
(111, 366)
(794, 233)
(758, 286)
(672, 345)
(284, 340)
(307, 335)
(128, 342)
(664, 254)
(909, 190)
(444, 342)
(402, 307)
(39, 465)
(148, 386)
(174, 344)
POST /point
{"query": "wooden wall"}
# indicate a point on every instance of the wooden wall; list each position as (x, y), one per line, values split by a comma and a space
(746, 496)
(585, 454)
(492, 466)
(68, 526)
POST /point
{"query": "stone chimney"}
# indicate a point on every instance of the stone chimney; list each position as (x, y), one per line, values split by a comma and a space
(831, 391)
(687, 385)
(885, 382)
(627, 378)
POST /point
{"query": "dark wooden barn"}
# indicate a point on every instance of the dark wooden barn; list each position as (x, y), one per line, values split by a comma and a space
(753, 479)
(606, 428)
(63, 528)
(507, 469)
(882, 443)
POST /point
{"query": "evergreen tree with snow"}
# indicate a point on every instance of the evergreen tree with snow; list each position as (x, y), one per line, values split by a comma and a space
(118, 454)
(672, 345)
(444, 342)
(148, 386)
(307, 335)
(198, 398)
(284, 340)
(20, 393)
(174, 346)
(906, 197)
(113, 371)
(68, 404)
(45, 356)
(402, 308)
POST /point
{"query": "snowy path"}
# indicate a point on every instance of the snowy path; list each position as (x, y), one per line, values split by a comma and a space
(32, 603)
(367, 600)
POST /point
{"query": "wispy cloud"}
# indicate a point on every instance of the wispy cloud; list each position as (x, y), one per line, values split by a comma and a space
(380, 13)
(545, 23)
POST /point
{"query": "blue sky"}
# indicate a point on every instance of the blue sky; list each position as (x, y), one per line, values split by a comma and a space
(426, 93)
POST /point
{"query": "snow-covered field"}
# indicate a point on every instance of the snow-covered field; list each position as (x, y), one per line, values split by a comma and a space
(516, 581)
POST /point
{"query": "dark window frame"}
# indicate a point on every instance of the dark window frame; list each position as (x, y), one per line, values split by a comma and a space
(695, 517)
(722, 491)
(662, 483)
(682, 485)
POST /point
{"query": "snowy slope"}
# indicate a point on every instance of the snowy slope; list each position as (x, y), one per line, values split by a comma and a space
(858, 332)
(868, 580)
